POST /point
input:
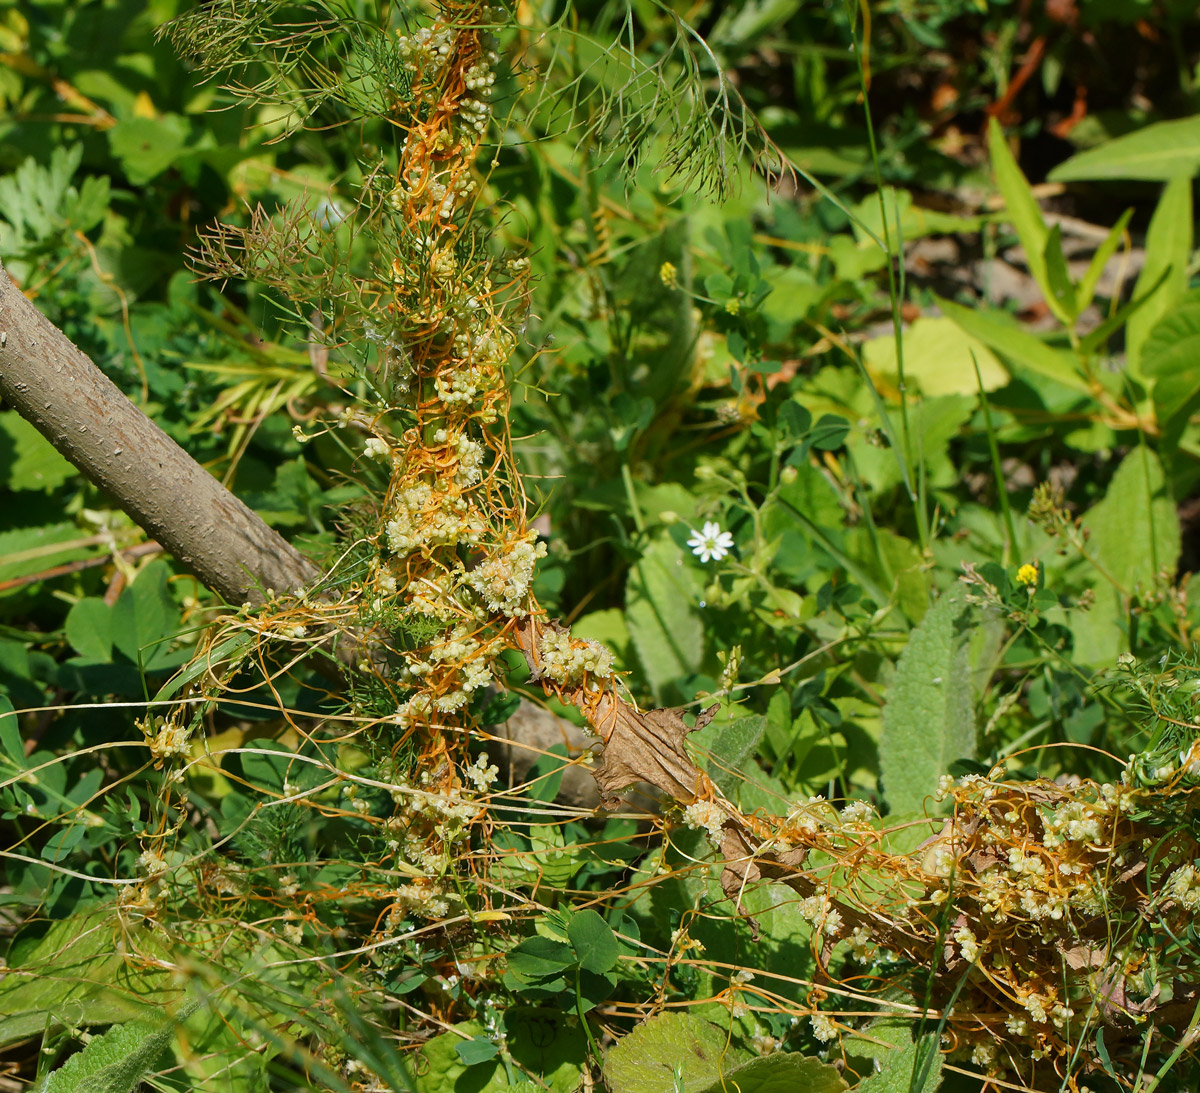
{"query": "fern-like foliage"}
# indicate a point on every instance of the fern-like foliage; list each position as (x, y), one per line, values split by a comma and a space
(319, 64)
(678, 106)
(40, 208)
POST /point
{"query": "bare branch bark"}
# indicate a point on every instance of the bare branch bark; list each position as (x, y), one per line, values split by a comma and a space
(54, 386)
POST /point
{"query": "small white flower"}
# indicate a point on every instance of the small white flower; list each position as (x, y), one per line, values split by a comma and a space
(711, 543)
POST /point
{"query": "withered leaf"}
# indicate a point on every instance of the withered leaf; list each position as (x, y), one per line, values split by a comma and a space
(648, 747)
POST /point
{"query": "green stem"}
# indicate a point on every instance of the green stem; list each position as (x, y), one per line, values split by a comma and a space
(630, 493)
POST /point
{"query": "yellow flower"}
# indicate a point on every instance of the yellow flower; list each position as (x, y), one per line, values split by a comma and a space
(733, 305)
(667, 273)
(1027, 574)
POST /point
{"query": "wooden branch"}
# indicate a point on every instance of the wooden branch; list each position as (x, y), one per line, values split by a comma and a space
(54, 386)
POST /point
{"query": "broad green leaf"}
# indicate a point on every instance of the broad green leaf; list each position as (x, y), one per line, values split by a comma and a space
(478, 1050)
(267, 769)
(929, 718)
(895, 562)
(607, 627)
(594, 942)
(539, 957)
(1160, 152)
(915, 1068)
(552, 861)
(1135, 528)
(731, 743)
(1134, 533)
(932, 424)
(1171, 356)
(30, 461)
(661, 611)
(647, 1059)
(913, 221)
(1173, 345)
(1176, 398)
(146, 147)
(77, 973)
(542, 1042)
(1168, 247)
(115, 1062)
(938, 357)
(144, 617)
(1021, 207)
(89, 628)
(781, 1073)
(1023, 350)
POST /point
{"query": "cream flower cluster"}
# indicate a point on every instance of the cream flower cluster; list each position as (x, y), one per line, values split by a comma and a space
(568, 662)
(502, 581)
(706, 816)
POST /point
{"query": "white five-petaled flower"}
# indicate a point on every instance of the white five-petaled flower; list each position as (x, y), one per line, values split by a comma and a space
(710, 543)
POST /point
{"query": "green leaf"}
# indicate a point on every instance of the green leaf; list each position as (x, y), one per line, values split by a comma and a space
(10, 737)
(1020, 348)
(499, 708)
(829, 433)
(540, 957)
(115, 1062)
(30, 550)
(148, 146)
(268, 768)
(646, 1060)
(1135, 528)
(1168, 247)
(89, 628)
(77, 973)
(478, 1050)
(542, 858)
(144, 617)
(1173, 345)
(607, 627)
(1158, 153)
(915, 1068)
(904, 219)
(554, 862)
(781, 1074)
(1061, 298)
(938, 357)
(1021, 206)
(542, 1042)
(1098, 338)
(219, 654)
(740, 24)
(1133, 533)
(793, 420)
(661, 597)
(731, 747)
(594, 942)
(1087, 286)
(929, 718)
(40, 203)
(30, 461)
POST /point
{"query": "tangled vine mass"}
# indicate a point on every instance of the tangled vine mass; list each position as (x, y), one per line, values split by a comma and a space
(1044, 930)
